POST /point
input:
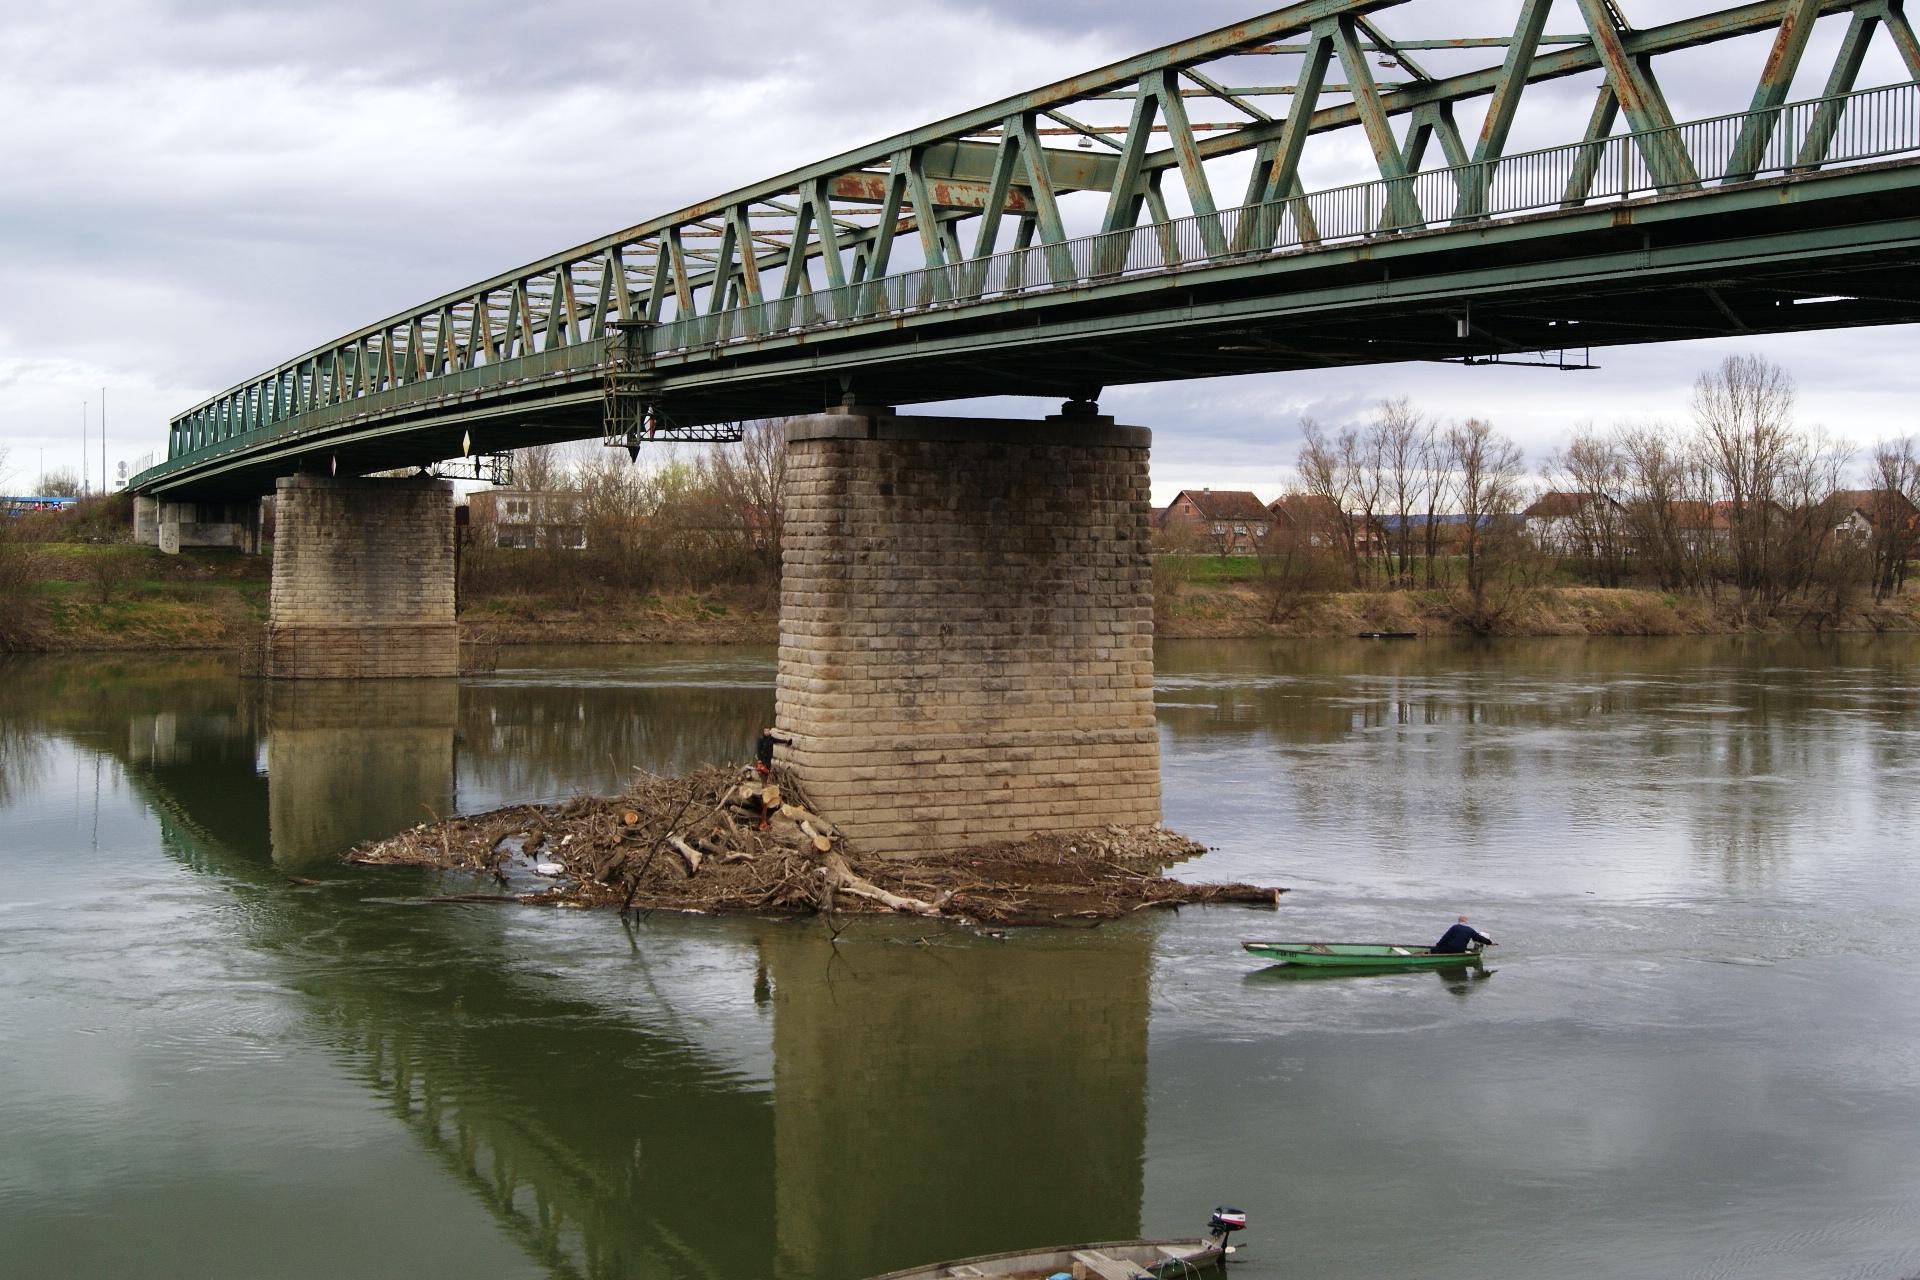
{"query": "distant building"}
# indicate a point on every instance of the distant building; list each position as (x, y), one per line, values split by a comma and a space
(1227, 521)
(1316, 521)
(526, 518)
(1858, 514)
(1572, 523)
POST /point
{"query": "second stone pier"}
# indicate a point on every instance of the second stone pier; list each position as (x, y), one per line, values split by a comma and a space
(362, 579)
(966, 626)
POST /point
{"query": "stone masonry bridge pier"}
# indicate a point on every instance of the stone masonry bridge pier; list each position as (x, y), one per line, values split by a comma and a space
(363, 579)
(966, 625)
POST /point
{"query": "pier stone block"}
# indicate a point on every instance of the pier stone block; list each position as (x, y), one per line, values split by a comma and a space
(966, 627)
(362, 579)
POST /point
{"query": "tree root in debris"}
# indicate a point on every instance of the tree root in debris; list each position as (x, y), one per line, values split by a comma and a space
(713, 842)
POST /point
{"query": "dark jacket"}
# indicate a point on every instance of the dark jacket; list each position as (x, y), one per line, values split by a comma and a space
(1454, 941)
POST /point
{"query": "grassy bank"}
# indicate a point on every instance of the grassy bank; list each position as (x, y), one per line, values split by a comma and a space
(110, 597)
(1227, 610)
(121, 598)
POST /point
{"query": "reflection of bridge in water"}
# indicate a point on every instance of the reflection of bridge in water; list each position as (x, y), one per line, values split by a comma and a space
(923, 1100)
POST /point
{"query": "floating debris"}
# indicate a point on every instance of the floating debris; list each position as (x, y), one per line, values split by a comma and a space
(728, 842)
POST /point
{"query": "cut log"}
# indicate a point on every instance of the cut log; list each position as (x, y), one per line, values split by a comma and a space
(800, 815)
(820, 843)
(770, 796)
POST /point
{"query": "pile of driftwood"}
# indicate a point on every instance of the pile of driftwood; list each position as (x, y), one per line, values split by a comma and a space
(727, 841)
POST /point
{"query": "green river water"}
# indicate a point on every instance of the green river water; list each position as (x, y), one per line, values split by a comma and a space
(1696, 1052)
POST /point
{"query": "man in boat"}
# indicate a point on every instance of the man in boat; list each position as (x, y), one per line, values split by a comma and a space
(1458, 938)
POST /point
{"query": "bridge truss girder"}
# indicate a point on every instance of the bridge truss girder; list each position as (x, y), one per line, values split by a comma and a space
(964, 193)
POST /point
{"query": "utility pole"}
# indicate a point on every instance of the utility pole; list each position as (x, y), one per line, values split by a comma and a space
(83, 448)
(105, 486)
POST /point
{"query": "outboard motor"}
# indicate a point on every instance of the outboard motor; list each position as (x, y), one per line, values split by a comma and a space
(1224, 1223)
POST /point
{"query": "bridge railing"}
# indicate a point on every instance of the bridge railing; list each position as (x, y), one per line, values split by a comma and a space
(1803, 136)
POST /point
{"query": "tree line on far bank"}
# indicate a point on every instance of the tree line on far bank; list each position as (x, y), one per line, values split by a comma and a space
(602, 526)
(1740, 505)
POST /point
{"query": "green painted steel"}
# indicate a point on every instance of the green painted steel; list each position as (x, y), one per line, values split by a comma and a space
(961, 228)
(1361, 955)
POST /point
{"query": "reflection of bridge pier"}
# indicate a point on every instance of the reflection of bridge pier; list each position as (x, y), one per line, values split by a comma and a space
(937, 1101)
(356, 760)
(926, 1101)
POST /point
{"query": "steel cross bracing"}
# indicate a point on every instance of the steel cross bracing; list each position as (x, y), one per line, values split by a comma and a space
(1086, 185)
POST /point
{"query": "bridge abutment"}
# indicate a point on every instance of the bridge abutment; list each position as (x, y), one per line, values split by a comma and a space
(170, 526)
(362, 579)
(966, 626)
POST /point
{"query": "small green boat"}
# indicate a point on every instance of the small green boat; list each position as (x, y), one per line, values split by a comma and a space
(1362, 955)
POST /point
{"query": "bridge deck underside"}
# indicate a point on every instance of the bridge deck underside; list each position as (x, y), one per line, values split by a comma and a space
(1730, 261)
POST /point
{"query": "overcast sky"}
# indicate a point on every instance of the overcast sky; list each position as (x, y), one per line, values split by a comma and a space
(191, 191)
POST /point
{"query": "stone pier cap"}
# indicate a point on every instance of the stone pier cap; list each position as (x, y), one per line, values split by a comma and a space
(1087, 431)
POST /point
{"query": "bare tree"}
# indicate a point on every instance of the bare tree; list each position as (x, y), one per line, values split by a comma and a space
(1895, 472)
(1398, 433)
(540, 469)
(1436, 490)
(1743, 411)
(1487, 469)
(1329, 476)
(747, 481)
(62, 482)
(1666, 505)
(1592, 468)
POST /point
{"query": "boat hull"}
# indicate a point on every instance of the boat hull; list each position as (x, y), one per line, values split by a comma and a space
(1168, 1258)
(1361, 955)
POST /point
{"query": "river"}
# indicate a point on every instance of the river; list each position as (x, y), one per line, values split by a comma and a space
(1695, 1053)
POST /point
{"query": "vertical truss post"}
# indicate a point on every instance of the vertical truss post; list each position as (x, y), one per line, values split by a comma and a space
(1401, 208)
(1129, 184)
(1053, 233)
(1593, 148)
(1281, 172)
(1475, 182)
(1776, 77)
(1846, 69)
(1187, 155)
(926, 219)
(999, 190)
(1893, 14)
(875, 299)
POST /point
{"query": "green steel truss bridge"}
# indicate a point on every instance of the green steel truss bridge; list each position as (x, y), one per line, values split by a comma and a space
(1154, 220)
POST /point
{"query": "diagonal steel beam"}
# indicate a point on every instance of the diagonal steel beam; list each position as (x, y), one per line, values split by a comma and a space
(1514, 71)
(1638, 93)
(1776, 78)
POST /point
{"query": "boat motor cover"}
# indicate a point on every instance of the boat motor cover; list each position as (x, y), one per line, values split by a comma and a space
(1225, 1219)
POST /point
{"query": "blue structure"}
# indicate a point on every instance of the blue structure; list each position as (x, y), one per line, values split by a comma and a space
(20, 506)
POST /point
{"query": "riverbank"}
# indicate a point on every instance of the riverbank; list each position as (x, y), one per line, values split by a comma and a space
(116, 599)
(1240, 611)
